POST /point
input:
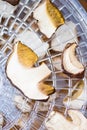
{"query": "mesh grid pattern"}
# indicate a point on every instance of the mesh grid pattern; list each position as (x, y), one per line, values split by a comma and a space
(9, 29)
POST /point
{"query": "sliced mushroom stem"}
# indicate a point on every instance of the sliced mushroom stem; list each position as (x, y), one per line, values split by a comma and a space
(49, 18)
(70, 64)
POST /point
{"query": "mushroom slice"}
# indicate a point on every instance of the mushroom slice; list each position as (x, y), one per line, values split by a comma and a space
(30, 39)
(70, 63)
(58, 121)
(65, 34)
(28, 79)
(78, 97)
(49, 17)
(22, 104)
(6, 9)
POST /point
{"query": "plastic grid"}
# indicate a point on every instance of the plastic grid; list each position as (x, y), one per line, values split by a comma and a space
(9, 29)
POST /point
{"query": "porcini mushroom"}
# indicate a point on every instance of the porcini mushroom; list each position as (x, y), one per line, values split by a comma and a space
(27, 78)
(71, 65)
(49, 17)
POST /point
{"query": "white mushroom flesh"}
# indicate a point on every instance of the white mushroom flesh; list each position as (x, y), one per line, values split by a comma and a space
(44, 22)
(70, 62)
(26, 79)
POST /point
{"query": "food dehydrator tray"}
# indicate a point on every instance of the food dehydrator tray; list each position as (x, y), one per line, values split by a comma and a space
(10, 27)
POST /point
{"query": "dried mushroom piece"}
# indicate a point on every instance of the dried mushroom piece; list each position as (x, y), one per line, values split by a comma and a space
(30, 39)
(49, 17)
(23, 105)
(12, 2)
(78, 96)
(58, 121)
(66, 33)
(70, 63)
(28, 80)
